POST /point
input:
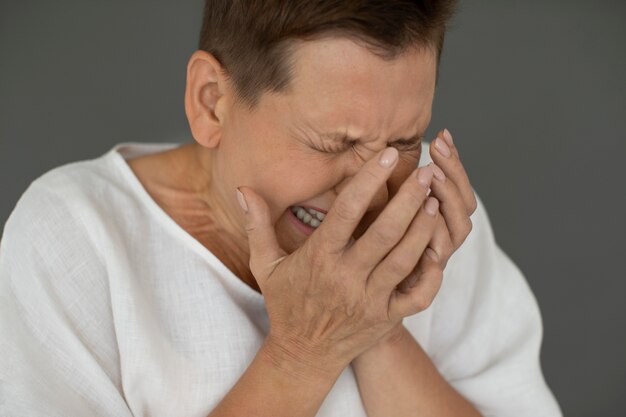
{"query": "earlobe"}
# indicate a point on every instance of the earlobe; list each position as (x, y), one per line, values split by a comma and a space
(204, 98)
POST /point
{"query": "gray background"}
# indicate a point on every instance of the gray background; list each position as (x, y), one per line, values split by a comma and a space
(533, 92)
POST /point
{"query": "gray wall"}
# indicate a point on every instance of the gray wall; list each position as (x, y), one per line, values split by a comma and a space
(533, 92)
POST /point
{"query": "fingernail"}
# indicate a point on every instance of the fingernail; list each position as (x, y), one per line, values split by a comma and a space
(242, 200)
(425, 175)
(438, 173)
(431, 206)
(388, 157)
(432, 254)
(440, 144)
(447, 136)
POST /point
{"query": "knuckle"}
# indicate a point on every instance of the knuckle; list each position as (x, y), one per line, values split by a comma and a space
(422, 302)
(345, 211)
(448, 249)
(320, 260)
(374, 175)
(399, 267)
(324, 241)
(462, 235)
(316, 257)
(438, 277)
(473, 204)
(383, 236)
(424, 299)
(250, 228)
(417, 197)
(468, 227)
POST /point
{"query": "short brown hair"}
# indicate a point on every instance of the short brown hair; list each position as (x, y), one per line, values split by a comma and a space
(254, 39)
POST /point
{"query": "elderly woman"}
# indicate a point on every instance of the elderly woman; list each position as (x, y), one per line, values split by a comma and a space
(292, 260)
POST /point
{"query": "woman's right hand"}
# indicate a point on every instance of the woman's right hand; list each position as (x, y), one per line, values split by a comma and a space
(334, 297)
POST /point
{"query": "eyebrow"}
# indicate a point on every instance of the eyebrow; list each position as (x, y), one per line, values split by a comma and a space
(347, 139)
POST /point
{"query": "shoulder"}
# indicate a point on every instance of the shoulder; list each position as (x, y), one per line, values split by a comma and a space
(54, 283)
(46, 230)
(75, 182)
(51, 252)
(54, 215)
(68, 199)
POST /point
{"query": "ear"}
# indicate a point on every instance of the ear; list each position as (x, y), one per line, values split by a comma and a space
(205, 98)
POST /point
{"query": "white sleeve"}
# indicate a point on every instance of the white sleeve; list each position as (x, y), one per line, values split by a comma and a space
(486, 330)
(58, 352)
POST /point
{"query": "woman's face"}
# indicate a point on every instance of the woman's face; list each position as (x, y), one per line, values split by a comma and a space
(285, 150)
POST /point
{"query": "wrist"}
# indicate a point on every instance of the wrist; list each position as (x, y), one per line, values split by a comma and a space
(393, 337)
(300, 362)
(387, 344)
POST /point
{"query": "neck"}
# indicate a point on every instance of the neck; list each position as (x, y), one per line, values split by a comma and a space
(204, 211)
(229, 241)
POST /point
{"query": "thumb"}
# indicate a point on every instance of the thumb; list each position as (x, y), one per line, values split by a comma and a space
(265, 252)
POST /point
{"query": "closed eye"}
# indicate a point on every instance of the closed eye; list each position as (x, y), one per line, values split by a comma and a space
(406, 145)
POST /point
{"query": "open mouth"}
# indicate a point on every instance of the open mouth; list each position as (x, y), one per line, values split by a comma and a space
(308, 216)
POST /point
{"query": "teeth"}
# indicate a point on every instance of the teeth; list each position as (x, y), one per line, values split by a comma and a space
(308, 216)
(315, 213)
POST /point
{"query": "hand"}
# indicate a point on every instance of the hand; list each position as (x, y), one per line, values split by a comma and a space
(456, 195)
(451, 186)
(334, 297)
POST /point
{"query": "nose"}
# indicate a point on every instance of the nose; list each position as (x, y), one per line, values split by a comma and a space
(381, 196)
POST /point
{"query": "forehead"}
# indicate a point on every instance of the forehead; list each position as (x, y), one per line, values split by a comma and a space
(342, 85)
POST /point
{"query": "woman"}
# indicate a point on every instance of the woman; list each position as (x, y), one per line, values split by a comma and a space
(289, 261)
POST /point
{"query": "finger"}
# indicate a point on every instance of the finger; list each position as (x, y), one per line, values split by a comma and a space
(391, 225)
(265, 252)
(410, 300)
(351, 204)
(441, 242)
(445, 154)
(441, 247)
(452, 206)
(402, 259)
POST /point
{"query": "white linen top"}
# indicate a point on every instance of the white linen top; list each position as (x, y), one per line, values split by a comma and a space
(109, 308)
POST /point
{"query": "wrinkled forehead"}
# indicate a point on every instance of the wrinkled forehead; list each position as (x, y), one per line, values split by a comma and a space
(337, 81)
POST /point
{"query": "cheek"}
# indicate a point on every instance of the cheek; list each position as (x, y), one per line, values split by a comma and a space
(311, 175)
(287, 183)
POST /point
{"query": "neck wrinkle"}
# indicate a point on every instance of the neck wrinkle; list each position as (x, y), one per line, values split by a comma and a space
(227, 239)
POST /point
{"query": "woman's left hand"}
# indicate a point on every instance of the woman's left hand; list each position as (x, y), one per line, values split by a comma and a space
(457, 203)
